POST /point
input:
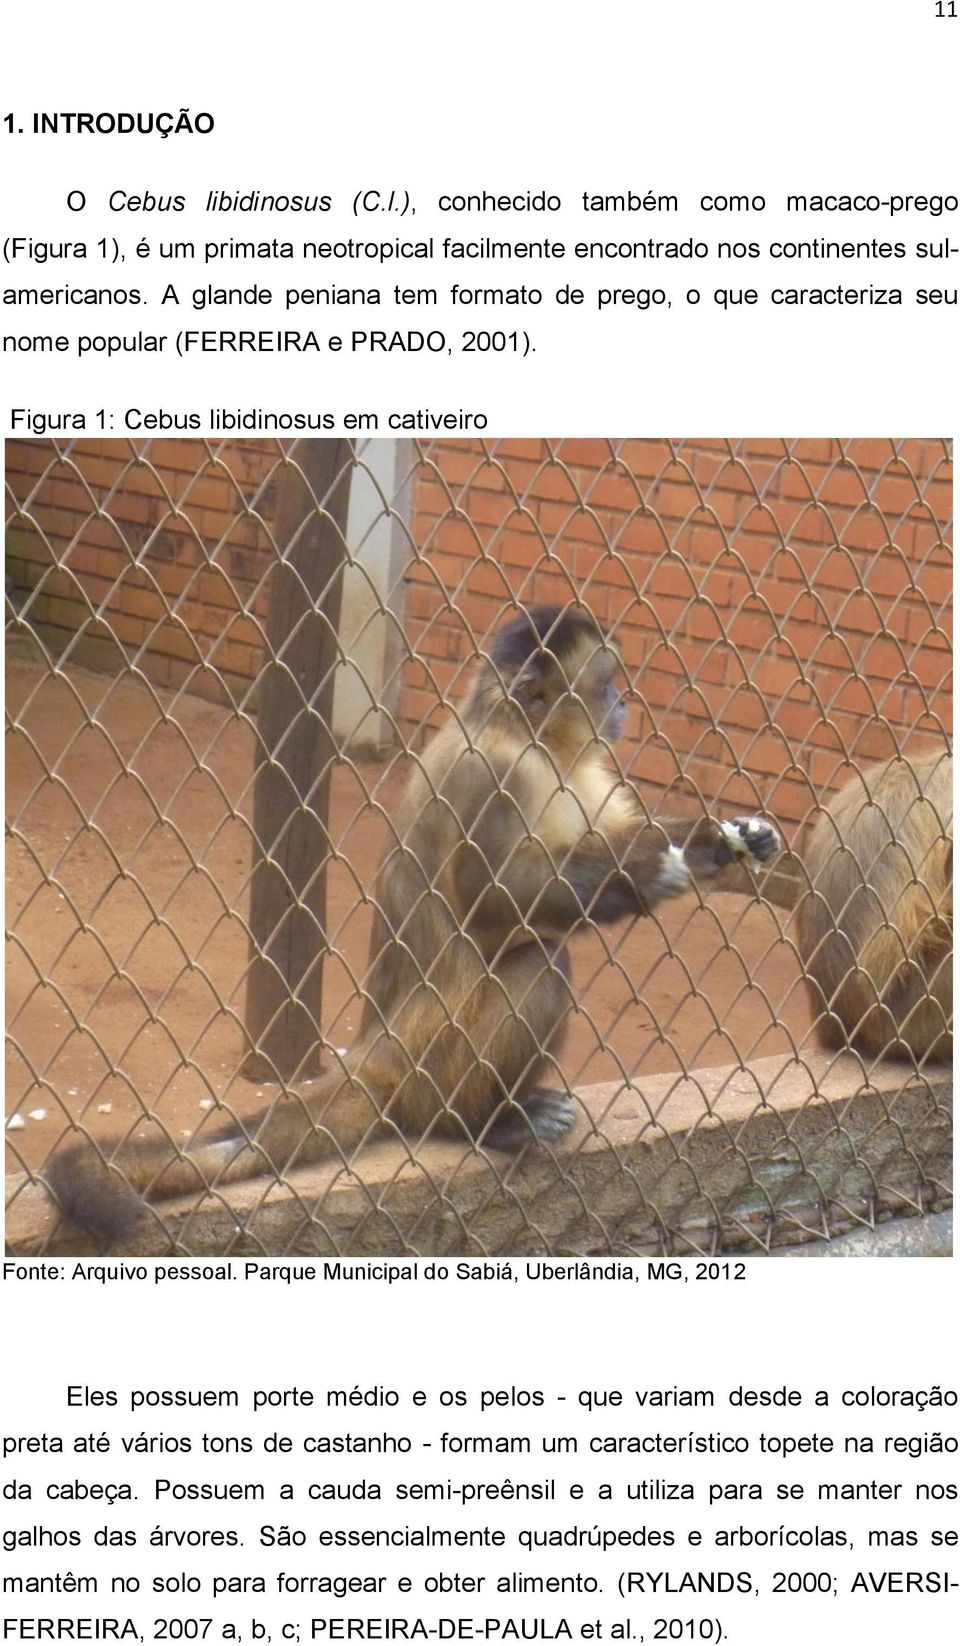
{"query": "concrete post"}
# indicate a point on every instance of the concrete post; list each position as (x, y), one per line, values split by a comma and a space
(371, 611)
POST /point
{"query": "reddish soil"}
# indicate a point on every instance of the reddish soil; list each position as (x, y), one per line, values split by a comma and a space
(128, 872)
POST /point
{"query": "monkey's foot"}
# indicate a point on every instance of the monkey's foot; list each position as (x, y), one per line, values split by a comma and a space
(539, 1117)
(752, 840)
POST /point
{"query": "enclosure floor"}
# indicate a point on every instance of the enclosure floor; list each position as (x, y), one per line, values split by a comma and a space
(128, 874)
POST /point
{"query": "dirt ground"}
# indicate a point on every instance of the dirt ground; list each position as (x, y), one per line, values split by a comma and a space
(128, 873)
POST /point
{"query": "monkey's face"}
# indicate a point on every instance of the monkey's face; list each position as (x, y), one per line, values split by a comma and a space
(575, 700)
(557, 667)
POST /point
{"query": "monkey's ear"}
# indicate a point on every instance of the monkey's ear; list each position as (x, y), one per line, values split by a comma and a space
(529, 685)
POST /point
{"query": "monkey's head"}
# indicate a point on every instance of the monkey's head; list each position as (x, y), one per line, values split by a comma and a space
(554, 669)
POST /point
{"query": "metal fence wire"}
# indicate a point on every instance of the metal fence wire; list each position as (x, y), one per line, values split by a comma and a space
(226, 667)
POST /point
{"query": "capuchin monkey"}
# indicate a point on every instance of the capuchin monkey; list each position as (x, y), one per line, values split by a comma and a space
(875, 928)
(514, 831)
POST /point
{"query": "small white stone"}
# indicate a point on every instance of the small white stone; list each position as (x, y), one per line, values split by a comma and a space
(205, 1103)
(38, 1114)
(104, 1108)
(72, 1091)
(16, 1123)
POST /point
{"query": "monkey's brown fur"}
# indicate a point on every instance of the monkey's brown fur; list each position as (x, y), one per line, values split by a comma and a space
(513, 831)
(875, 930)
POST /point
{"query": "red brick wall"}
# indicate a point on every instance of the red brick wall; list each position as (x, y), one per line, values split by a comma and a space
(185, 609)
(783, 608)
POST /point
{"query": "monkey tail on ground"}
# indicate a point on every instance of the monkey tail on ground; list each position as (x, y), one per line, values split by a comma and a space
(342, 1109)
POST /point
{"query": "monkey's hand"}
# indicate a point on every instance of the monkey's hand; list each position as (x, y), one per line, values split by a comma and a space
(710, 846)
(698, 851)
(752, 840)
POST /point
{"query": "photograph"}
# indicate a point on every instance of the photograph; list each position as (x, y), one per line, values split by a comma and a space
(534, 847)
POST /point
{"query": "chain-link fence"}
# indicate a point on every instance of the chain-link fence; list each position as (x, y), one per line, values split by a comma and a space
(226, 667)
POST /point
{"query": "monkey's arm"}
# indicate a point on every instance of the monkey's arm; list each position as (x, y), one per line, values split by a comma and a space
(664, 859)
(505, 870)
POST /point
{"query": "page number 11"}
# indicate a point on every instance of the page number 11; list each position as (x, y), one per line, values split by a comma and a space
(945, 8)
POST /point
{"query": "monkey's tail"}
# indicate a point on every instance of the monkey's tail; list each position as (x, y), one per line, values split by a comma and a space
(333, 1115)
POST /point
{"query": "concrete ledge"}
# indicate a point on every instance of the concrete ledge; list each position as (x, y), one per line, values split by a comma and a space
(902, 1237)
(728, 1158)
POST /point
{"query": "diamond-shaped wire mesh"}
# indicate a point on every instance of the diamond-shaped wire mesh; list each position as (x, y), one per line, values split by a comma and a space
(782, 611)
